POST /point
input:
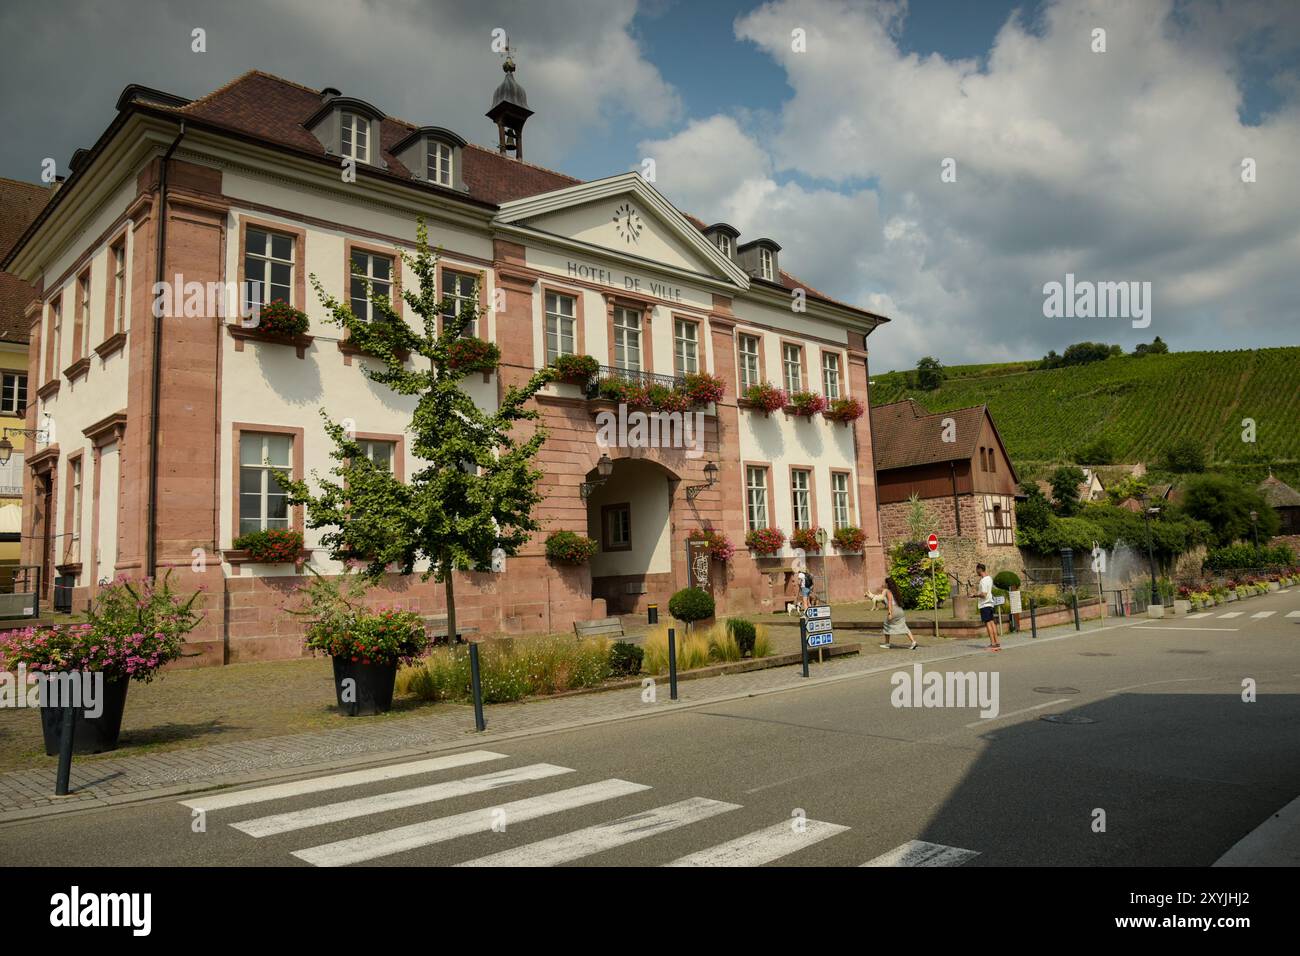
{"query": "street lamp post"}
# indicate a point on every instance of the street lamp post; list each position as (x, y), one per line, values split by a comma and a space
(1254, 528)
(1149, 514)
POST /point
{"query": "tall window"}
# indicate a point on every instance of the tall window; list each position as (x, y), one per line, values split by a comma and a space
(13, 394)
(119, 288)
(831, 375)
(81, 325)
(561, 325)
(380, 453)
(840, 499)
(74, 496)
(379, 271)
(462, 289)
(262, 501)
(724, 244)
(756, 498)
(440, 164)
(686, 347)
(268, 268)
(356, 137)
(617, 527)
(748, 348)
(792, 361)
(627, 339)
(766, 264)
(55, 353)
(801, 498)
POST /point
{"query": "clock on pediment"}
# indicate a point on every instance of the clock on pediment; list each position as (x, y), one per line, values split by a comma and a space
(627, 223)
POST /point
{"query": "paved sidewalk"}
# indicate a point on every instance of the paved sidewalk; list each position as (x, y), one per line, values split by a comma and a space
(110, 781)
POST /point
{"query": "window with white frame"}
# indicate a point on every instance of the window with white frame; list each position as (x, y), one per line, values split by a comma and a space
(627, 339)
(755, 498)
(461, 289)
(831, 375)
(74, 533)
(801, 498)
(13, 394)
(81, 330)
(356, 136)
(119, 287)
(840, 505)
(380, 453)
(766, 264)
(263, 503)
(724, 244)
(440, 160)
(561, 326)
(686, 347)
(748, 345)
(268, 268)
(374, 270)
(792, 361)
(56, 337)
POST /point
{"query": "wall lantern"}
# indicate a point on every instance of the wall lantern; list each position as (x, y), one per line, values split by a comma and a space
(604, 468)
(710, 478)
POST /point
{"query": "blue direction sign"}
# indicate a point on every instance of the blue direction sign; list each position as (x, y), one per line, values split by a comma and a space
(817, 613)
(820, 627)
(820, 640)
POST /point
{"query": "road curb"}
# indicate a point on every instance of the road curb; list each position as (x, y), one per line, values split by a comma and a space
(1275, 842)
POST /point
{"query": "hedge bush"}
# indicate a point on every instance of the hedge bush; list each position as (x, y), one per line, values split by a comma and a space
(691, 604)
(568, 547)
(625, 659)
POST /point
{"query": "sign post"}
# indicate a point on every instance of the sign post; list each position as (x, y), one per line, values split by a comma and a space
(932, 543)
(815, 630)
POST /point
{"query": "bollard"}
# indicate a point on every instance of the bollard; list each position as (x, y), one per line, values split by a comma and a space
(1075, 602)
(672, 663)
(476, 687)
(803, 643)
(652, 614)
(65, 750)
(1033, 618)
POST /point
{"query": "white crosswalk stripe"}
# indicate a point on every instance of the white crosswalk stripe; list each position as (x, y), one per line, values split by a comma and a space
(920, 853)
(1259, 614)
(763, 846)
(1233, 614)
(396, 800)
(1199, 614)
(606, 836)
(1293, 613)
(296, 788)
(385, 843)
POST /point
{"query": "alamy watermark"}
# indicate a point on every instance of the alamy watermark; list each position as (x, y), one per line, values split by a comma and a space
(83, 690)
(946, 689)
(194, 300)
(637, 429)
(1084, 299)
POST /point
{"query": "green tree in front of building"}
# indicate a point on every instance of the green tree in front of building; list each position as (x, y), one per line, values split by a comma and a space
(475, 484)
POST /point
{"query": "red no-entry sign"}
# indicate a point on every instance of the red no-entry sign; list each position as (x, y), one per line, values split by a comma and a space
(933, 542)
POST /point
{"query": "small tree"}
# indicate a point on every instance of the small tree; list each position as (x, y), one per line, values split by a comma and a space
(477, 486)
(1065, 483)
(929, 373)
(1184, 456)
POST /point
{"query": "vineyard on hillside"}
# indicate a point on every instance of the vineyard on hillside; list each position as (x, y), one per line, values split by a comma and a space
(1140, 404)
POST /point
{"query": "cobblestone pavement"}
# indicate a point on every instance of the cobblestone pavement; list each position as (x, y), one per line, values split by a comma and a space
(107, 781)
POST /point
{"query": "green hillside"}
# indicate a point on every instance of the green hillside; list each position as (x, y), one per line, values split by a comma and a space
(1140, 404)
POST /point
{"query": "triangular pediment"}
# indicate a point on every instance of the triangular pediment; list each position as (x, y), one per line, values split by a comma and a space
(626, 216)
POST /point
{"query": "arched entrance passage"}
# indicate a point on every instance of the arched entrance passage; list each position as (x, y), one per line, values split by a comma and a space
(630, 518)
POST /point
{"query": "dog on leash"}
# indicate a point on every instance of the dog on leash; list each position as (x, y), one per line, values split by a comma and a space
(792, 607)
(876, 598)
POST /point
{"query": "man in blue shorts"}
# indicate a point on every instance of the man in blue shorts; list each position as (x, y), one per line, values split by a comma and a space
(985, 595)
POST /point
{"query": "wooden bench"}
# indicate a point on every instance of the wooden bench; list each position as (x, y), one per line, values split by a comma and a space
(435, 626)
(603, 627)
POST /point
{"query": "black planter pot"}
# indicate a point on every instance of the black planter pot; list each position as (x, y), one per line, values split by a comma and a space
(372, 689)
(91, 735)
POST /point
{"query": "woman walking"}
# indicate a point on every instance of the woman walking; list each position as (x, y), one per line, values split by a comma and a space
(895, 622)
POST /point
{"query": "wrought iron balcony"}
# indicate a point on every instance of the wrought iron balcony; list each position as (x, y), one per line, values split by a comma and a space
(640, 377)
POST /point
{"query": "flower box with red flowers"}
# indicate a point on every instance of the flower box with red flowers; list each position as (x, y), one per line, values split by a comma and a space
(720, 546)
(703, 389)
(806, 404)
(576, 369)
(282, 319)
(850, 539)
(568, 547)
(844, 410)
(470, 354)
(765, 541)
(766, 397)
(805, 538)
(270, 546)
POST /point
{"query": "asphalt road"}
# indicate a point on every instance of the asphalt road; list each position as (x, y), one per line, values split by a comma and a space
(1181, 766)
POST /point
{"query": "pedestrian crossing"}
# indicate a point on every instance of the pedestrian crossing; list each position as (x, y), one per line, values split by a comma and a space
(434, 839)
(1229, 615)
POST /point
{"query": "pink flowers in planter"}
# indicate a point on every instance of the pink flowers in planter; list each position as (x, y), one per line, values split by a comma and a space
(720, 546)
(765, 541)
(766, 396)
(844, 410)
(805, 538)
(805, 403)
(849, 538)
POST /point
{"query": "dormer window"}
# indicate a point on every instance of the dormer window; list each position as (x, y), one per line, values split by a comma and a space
(767, 264)
(355, 138)
(724, 243)
(440, 163)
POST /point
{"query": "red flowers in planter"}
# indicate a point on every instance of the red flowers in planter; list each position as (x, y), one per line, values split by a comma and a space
(272, 546)
(576, 369)
(850, 538)
(568, 547)
(765, 540)
(805, 538)
(844, 410)
(702, 388)
(805, 403)
(280, 318)
(720, 546)
(766, 396)
(470, 354)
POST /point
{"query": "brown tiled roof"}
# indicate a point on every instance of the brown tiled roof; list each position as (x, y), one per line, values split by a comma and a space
(1278, 493)
(20, 203)
(903, 434)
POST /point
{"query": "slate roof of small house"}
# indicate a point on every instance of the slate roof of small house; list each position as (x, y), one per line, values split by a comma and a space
(20, 204)
(272, 109)
(1278, 493)
(904, 435)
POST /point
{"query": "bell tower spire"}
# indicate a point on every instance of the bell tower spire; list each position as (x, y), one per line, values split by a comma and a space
(510, 111)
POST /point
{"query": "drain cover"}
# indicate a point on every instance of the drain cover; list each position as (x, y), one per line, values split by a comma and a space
(1178, 651)
(1066, 719)
(1056, 690)
(1095, 654)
